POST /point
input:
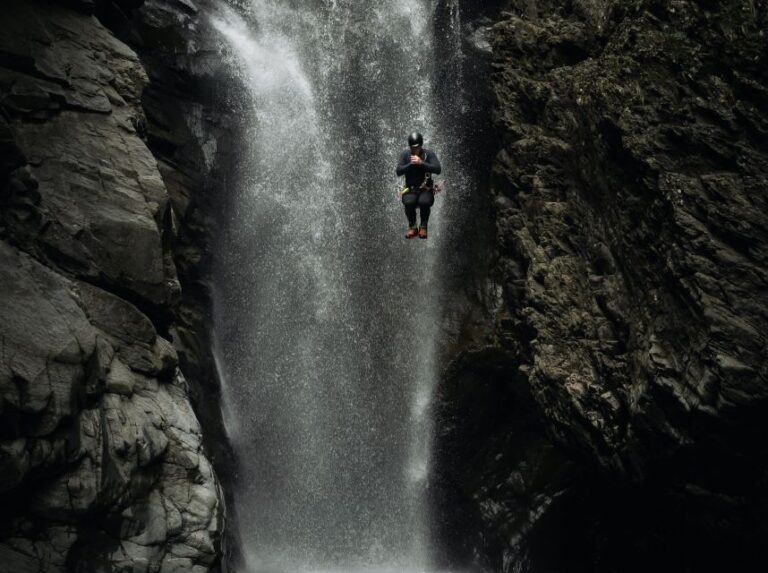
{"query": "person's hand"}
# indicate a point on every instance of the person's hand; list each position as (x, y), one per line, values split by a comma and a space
(416, 160)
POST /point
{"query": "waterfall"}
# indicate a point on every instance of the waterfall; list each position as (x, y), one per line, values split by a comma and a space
(326, 318)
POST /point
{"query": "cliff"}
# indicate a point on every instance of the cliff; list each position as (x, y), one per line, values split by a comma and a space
(615, 421)
(101, 454)
(604, 407)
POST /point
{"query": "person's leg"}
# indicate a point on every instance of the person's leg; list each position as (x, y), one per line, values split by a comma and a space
(409, 201)
(425, 202)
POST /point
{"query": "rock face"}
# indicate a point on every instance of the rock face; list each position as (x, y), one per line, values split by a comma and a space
(192, 110)
(632, 238)
(97, 203)
(101, 460)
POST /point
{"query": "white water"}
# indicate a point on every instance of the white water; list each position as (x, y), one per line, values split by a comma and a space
(326, 319)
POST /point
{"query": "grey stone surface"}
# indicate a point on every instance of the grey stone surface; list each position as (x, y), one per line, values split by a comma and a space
(128, 459)
(631, 236)
(92, 200)
(193, 128)
(102, 466)
(630, 222)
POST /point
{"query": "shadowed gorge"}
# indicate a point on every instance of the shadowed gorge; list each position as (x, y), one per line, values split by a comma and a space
(219, 354)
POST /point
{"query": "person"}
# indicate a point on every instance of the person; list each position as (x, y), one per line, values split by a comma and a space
(418, 164)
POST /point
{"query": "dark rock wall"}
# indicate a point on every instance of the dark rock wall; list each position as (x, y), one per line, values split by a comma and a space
(192, 106)
(630, 205)
(102, 465)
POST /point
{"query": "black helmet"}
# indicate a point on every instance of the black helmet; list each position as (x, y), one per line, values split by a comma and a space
(415, 139)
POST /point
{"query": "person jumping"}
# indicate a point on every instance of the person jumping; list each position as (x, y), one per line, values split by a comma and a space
(418, 165)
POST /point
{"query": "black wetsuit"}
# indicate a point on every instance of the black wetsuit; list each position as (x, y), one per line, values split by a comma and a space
(414, 177)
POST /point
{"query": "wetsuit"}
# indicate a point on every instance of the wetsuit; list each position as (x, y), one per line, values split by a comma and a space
(414, 177)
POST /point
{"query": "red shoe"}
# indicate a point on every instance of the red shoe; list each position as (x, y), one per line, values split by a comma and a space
(411, 233)
(422, 232)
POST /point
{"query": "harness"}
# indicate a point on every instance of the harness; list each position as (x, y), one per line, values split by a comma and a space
(427, 185)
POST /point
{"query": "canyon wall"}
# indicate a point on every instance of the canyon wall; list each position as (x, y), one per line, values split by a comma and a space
(604, 404)
(615, 420)
(104, 305)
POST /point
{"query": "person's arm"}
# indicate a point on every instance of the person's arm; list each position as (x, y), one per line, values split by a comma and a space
(432, 163)
(403, 164)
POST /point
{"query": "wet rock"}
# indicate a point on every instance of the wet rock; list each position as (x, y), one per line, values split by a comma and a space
(94, 413)
(118, 452)
(73, 95)
(632, 236)
(192, 111)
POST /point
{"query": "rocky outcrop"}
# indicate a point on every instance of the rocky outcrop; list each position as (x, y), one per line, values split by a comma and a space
(101, 455)
(192, 106)
(631, 237)
(90, 201)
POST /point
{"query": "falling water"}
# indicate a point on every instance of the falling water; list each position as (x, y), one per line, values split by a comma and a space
(326, 319)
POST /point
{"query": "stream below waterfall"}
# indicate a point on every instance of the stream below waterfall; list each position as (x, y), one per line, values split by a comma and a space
(326, 319)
